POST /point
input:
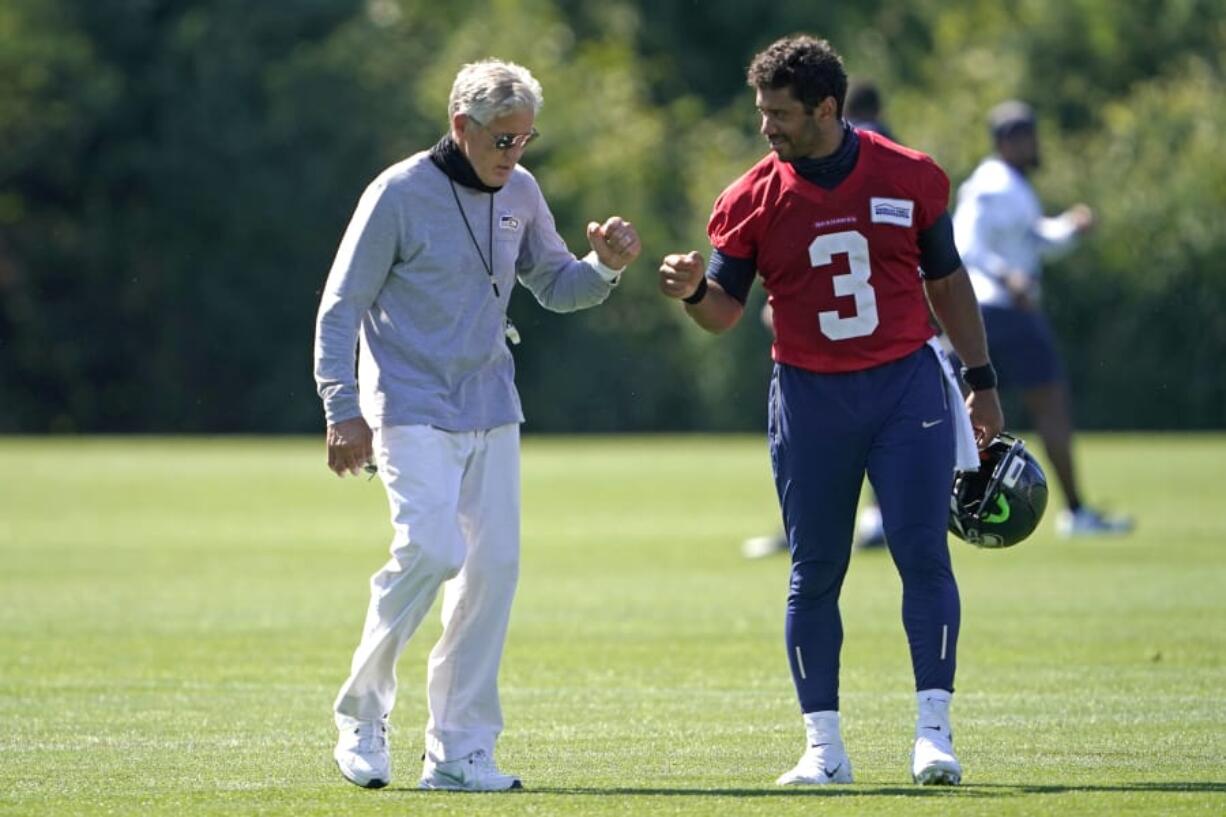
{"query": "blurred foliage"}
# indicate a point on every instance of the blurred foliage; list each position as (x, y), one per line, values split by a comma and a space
(175, 176)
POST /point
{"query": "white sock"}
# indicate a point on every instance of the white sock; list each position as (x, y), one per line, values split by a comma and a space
(823, 727)
(933, 715)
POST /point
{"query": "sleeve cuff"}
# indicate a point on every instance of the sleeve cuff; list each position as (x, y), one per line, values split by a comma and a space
(611, 276)
(341, 405)
(1059, 230)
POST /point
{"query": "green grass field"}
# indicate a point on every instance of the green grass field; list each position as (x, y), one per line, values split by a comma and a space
(177, 615)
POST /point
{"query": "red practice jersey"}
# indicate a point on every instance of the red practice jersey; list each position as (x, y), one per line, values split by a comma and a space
(841, 266)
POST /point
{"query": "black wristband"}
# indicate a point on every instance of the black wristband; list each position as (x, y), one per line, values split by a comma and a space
(980, 378)
(699, 293)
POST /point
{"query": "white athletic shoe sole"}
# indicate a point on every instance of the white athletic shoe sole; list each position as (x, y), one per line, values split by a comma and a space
(362, 754)
(435, 783)
(476, 772)
(939, 775)
(358, 778)
(933, 764)
(817, 768)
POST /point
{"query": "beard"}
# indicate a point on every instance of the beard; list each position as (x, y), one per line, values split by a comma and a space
(784, 149)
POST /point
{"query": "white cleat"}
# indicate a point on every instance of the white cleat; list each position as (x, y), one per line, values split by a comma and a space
(820, 765)
(932, 758)
(1086, 521)
(476, 772)
(759, 547)
(362, 753)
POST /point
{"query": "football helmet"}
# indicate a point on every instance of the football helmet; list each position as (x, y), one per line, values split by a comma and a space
(1000, 504)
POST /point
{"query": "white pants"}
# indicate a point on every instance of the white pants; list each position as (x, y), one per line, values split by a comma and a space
(454, 500)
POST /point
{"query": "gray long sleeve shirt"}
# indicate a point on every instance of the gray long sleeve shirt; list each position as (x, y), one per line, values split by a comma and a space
(409, 279)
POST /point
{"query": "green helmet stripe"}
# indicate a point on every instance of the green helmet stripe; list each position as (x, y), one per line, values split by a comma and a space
(1002, 511)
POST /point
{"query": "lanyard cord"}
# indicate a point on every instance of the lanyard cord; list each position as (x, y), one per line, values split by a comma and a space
(489, 268)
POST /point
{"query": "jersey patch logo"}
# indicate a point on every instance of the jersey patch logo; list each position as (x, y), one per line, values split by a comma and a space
(508, 222)
(892, 211)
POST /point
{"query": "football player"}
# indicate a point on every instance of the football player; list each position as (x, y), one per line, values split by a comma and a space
(863, 111)
(1003, 235)
(836, 222)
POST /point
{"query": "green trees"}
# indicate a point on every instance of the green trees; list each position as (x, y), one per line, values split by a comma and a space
(1131, 123)
(175, 175)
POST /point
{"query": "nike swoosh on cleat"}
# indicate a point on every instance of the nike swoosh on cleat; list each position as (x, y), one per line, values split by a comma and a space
(817, 745)
(832, 772)
(454, 778)
(934, 728)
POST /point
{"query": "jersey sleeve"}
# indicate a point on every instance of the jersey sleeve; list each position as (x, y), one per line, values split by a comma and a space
(938, 252)
(932, 194)
(735, 225)
(734, 275)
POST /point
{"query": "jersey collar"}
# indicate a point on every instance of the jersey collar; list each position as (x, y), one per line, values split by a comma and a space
(830, 171)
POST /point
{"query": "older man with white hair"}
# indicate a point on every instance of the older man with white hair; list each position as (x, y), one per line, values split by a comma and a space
(422, 277)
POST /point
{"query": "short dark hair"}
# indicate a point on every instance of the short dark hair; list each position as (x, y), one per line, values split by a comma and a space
(808, 65)
(1010, 118)
(863, 100)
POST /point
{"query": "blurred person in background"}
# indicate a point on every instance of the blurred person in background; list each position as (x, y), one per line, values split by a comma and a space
(836, 221)
(863, 111)
(863, 108)
(422, 276)
(1003, 237)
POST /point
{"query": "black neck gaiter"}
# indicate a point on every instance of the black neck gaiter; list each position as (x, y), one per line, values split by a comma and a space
(829, 171)
(448, 157)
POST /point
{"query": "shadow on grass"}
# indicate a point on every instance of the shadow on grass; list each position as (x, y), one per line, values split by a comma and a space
(795, 791)
(968, 790)
(1189, 786)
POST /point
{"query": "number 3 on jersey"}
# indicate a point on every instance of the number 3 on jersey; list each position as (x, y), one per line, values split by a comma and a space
(855, 283)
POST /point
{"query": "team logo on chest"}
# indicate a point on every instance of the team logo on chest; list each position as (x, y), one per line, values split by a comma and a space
(891, 211)
(508, 223)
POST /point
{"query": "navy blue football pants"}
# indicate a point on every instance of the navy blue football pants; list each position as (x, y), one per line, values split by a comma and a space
(826, 431)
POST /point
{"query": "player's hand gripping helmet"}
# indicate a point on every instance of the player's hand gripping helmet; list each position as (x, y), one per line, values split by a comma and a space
(1000, 504)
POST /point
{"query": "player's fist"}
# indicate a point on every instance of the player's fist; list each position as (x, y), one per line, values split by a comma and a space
(680, 274)
(987, 417)
(1081, 216)
(616, 242)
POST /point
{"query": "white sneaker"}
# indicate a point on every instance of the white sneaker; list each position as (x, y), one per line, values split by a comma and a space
(932, 759)
(819, 765)
(362, 753)
(759, 547)
(476, 772)
(1086, 521)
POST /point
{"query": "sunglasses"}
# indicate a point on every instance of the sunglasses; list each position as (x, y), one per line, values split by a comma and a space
(506, 141)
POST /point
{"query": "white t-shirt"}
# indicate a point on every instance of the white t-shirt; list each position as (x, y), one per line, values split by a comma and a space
(999, 226)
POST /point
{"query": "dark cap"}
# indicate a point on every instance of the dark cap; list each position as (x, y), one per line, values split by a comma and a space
(1010, 117)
